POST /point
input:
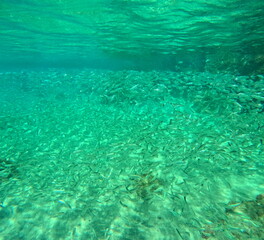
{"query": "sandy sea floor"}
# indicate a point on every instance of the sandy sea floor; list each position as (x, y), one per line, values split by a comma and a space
(130, 155)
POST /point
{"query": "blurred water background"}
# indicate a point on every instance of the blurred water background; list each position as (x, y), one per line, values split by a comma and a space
(134, 34)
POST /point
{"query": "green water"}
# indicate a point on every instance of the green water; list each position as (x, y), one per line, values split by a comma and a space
(131, 120)
(135, 34)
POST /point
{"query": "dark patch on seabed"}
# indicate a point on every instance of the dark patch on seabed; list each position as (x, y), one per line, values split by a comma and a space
(121, 155)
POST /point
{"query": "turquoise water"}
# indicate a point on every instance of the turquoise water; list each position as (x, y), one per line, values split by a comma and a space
(131, 120)
(135, 34)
